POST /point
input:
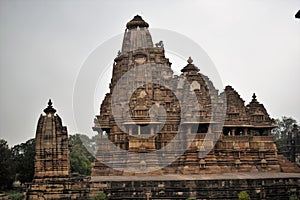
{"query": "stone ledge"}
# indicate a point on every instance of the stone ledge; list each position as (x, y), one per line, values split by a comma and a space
(178, 177)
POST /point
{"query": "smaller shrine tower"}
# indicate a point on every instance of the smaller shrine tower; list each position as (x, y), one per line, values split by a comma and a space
(52, 168)
(52, 152)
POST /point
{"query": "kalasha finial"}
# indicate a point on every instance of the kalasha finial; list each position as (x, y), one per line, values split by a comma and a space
(50, 103)
(190, 60)
(49, 109)
(190, 67)
(298, 14)
(254, 96)
(137, 21)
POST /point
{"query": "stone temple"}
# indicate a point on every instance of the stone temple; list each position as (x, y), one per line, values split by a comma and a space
(166, 136)
(236, 141)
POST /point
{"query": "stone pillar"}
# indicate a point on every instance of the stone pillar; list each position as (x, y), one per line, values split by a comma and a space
(189, 130)
(233, 131)
(152, 130)
(209, 129)
(130, 130)
(246, 131)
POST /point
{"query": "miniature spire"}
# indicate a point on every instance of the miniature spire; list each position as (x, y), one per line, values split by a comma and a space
(254, 98)
(49, 109)
(190, 60)
(190, 66)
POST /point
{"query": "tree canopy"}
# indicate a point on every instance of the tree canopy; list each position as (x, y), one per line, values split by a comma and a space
(7, 170)
(23, 156)
(80, 157)
(283, 127)
(17, 163)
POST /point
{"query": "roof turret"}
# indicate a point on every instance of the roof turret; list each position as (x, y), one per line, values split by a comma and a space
(190, 66)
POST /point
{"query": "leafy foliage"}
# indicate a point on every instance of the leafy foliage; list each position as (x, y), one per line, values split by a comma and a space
(293, 197)
(80, 157)
(100, 196)
(16, 196)
(280, 133)
(17, 163)
(91, 144)
(24, 160)
(7, 169)
(243, 196)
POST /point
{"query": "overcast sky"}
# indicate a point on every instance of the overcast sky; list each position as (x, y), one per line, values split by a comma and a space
(254, 44)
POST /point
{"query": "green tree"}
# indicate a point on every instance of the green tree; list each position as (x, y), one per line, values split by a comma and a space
(16, 196)
(280, 133)
(80, 157)
(23, 155)
(90, 144)
(100, 196)
(7, 169)
(243, 196)
(293, 197)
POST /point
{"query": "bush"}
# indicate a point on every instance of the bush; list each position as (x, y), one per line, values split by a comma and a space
(100, 196)
(15, 196)
(293, 197)
(243, 196)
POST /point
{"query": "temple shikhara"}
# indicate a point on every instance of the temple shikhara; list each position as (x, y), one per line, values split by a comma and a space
(244, 144)
(52, 170)
(166, 136)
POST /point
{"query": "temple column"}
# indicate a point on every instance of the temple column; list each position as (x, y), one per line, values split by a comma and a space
(152, 130)
(130, 130)
(233, 131)
(189, 130)
(246, 131)
(209, 130)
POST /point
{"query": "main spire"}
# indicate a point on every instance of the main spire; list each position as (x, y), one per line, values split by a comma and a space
(137, 35)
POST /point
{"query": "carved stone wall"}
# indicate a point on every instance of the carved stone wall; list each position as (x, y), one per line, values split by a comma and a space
(227, 186)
